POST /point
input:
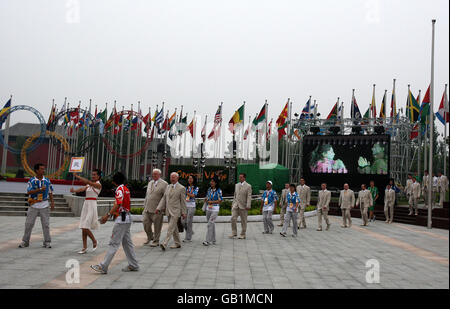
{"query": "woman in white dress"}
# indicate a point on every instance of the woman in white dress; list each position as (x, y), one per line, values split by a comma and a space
(89, 215)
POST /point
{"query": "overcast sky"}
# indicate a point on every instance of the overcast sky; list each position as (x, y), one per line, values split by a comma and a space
(198, 53)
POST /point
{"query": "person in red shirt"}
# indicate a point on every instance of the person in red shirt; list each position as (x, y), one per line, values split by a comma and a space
(121, 230)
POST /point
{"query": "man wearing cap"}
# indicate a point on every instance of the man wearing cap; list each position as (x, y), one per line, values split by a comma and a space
(304, 193)
(268, 206)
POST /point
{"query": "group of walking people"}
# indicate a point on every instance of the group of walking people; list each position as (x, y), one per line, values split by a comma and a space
(178, 203)
(414, 190)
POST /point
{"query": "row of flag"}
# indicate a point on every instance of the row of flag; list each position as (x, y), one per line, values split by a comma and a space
(175, 125)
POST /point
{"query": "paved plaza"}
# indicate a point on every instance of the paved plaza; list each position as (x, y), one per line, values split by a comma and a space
(408, 256)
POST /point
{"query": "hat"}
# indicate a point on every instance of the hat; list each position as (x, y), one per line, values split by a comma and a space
(268, 181)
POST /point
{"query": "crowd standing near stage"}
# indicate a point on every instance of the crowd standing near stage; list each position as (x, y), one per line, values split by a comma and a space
(178, 203)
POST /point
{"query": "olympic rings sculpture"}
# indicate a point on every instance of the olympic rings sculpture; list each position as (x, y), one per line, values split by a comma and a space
(29, 141)
(39, 138)
(131, 155)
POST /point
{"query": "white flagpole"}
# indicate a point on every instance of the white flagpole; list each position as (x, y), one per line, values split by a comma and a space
(90, 151)
(419, 146)
(222, 135)
(6, 139)
(445, 129)
(121, 135)
(248, 138)
(98, 142)
(430, 167)
(101, 157)
(146, 151)
(127, 165)
(194, 123)
(50, 148)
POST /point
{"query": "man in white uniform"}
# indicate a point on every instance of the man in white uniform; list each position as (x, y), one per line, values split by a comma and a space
(304, 193)
(425, 183)
(414, 197)
(389, 201)
(365, 201)
(443, 188)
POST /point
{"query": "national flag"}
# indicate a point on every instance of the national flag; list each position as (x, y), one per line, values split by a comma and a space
(412, 108)
(355, 113)
(367, 114)
(415, 131)
(4, 111)
(191, 128)
(269, 133)
(203, 133)
(237, 119)
(283, 116)
(172, 120)
(218, 116)
(154, 116)
(442, 113)
(246, 133)
(51, 117)
(340, 111)
(334, 112)
(373, 106)
(110, 120)
(215, 132)
(424, 111)
(160, 116)
(261, 116)
(75, 116)
(182, 125)
(134, 123)
(101, 117)
(82, 122)
(66, 118)
(165, 125)
(383, 107)
(306, 112)
(147, 123)
(282, 130)
(393, 105)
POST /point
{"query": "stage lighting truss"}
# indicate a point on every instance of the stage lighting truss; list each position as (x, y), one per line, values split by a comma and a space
(402, 151)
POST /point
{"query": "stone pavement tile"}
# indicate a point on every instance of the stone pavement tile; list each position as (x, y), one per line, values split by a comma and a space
(314, 260)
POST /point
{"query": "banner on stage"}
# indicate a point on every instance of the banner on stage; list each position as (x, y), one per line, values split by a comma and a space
(76, 165)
